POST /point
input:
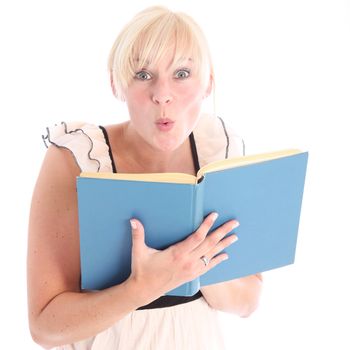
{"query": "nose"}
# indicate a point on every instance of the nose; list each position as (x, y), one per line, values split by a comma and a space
(161, 94)
(162, 100)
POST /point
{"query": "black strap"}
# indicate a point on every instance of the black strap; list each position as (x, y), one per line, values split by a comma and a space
(194, 152)
(109, 148)
(170, 300)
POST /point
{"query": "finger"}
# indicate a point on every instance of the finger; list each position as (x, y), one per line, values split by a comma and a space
(138, 235)
(224, 243)
(196, 238)
(213, 262)
(215, 237)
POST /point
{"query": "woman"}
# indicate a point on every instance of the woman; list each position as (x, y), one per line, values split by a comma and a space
(160, 66)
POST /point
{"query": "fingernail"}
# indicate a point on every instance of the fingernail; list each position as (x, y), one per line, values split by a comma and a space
(235, 224)
(133, 224)
(233, 239)
(214, 216)
(225, 258)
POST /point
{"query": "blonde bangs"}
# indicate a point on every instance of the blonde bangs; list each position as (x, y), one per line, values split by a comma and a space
(158, 32)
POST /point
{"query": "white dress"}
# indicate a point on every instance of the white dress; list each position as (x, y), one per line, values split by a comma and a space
(188, 326)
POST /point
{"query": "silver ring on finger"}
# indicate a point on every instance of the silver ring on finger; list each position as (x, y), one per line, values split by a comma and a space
(205, 260)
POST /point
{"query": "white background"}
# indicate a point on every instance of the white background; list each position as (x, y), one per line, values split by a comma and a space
(283, 80)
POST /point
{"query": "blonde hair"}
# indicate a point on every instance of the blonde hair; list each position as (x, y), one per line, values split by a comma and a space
(148, 37)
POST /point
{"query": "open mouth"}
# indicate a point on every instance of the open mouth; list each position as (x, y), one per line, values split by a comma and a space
(164, 121)
(165, 124)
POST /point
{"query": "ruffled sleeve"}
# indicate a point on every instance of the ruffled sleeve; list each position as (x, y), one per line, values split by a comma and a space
(86, 143)
(215, 140)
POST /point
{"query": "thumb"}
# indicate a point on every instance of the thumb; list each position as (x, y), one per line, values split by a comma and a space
(138, 235)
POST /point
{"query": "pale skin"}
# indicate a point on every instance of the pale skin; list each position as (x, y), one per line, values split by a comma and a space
(59, 312)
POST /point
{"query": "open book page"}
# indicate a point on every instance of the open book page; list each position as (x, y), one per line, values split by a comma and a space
(244, 160)
(150, 177)
(190, 179)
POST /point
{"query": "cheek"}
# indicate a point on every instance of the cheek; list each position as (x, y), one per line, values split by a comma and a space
(190, 93)
(189, 107)
(136, 101)
(190, 100)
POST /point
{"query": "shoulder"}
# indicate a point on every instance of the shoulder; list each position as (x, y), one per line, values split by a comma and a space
(86, 143)
(216, 140)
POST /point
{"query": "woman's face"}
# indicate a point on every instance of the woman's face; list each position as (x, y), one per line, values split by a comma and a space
(164, 103)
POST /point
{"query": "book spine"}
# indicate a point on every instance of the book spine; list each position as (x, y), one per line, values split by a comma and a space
(198, 205)
(197, 217)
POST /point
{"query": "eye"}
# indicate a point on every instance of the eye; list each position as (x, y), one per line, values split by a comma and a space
(143, 75)
(182, 74)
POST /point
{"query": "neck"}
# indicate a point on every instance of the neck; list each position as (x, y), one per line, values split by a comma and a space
(149, 159)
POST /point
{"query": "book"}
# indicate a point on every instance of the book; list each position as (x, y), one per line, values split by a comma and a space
(263, 192)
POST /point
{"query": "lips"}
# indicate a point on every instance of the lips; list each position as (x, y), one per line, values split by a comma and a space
(164, 121)
(164, 124)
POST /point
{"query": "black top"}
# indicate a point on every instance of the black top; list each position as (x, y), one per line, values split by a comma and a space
(166, 300)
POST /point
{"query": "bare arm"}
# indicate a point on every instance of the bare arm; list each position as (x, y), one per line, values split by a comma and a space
(58, 312)
(239, 296)
(73, 316)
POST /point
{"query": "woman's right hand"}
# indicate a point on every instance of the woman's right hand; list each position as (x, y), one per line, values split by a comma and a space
(155, 272)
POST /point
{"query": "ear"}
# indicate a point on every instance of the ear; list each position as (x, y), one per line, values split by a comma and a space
(112, 84)
(121, 97)
(209, 87)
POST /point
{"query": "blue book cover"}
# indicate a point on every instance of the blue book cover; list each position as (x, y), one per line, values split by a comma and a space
(263, 194)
